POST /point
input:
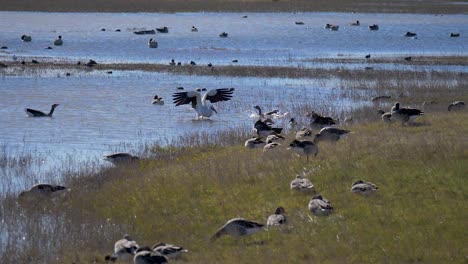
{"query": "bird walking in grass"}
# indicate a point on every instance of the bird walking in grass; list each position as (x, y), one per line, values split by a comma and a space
(238, 227)
(405, 115)
(364, 188)
(320, 206)
(35, 113)
(304, 148)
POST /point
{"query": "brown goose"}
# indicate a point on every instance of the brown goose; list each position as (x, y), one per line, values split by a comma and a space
(278, 218)
(304, 148)
(405, 115)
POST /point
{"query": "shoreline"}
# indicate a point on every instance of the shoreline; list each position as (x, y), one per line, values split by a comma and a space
(172, 6)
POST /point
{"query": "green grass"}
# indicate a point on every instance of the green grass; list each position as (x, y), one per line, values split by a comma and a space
(418, 214)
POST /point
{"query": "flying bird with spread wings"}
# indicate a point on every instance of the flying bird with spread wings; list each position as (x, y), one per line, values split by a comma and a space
(199, 102)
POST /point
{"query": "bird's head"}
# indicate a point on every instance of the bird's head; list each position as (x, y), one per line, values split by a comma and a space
(55, 105)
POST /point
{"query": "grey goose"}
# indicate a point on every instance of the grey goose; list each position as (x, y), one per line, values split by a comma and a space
(364, 188)
(320, 206)
(238, 227)
(35, 113)
(278, 218)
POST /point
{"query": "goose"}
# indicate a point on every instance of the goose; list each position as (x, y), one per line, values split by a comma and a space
(334, 27)
(304, 147)
(169, 250)
(405, 115)
(364, 188)
(381, 98)
(121, 157)
(144, 255)
(408, 58)
(58, 41)
(198, 102)
(35, 113)
(302, 184)
(318, 121)
(368, 56)
(299, 23)
(374, 27)
(331, 134)
(456, 106)
(210, 65)
(254, 142)
(238, 227)
(454, 35)
(304, 133)
(34, 62)
(192, 63)
(278, 218)
(263, 129)
(327, 26)
(386, 116)
(274, 137)
(172, 63)
(223, 35)
(3, 47)
(355, 23)
(320, 206)
(292, 123)
(3, 65)
(194, 29)
(235, 61)
(270, 145)
(26, 38)
(152, 43)
(124, 249)
(179, 63)
(267, 114)
(410, 34)
(158, 100)
(42, 190)
(117, 30)
(163, 30)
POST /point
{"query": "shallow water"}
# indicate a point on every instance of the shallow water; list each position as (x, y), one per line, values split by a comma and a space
(259, 39)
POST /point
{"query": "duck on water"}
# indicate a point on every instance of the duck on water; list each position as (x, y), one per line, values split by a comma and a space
(36, 113)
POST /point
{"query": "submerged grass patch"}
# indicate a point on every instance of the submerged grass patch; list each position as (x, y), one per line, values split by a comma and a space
(417, 215)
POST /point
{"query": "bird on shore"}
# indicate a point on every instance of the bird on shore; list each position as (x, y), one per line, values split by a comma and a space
(124, 249)
(254, 142)
(169, 250)
(35, 113)
(405, 115)
(144, 255)
(120, 157)
(318, 121)
(331, 134)
(386, 116)
(58, 41)
(42, 190)
(157, 100)
(278, 218)
(364, 188)
(320, 206)
(456, 106)
(238, 227)
(26, 38)
(263, 129)
(199, 103)
(152, 43)
(304, 148)
(302, 184)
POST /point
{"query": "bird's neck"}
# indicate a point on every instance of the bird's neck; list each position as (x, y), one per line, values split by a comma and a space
(52, 109)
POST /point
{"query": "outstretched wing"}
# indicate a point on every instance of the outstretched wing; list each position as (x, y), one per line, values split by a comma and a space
(218, 95)
(182, 98)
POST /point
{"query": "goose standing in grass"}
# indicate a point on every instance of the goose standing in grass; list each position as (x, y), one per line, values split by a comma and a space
(194, 29)
(278, 218)
(405, 115)
(124, 249)
(42, 190)
(302, 184)
(456, 106)
(331, 134)
(320, 206)
(263, 129)
(144, 255)
(304, 148)
(152, 43)
(158, 100)
(364, 188)
(26, 38)
(58, 41)
(255, 142)
(169, 250)
(238, 227)
(386, 116)
(199, 103)
(35, 113)
(121, 157)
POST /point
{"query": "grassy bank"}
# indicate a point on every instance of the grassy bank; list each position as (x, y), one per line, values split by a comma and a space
(393, 6)
(184, 195)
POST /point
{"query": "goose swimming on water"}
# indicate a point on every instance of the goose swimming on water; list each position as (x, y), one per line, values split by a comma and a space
(152, 43)
(120, 157)
(199, 103)
(26, 38)
(58, 41)
(35, 113)
(158, 100)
